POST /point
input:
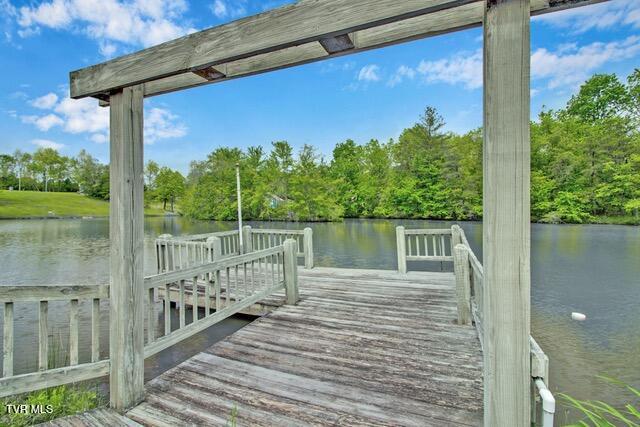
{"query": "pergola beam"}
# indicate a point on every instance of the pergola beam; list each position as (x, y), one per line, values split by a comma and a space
(441, 22)
(292, 25)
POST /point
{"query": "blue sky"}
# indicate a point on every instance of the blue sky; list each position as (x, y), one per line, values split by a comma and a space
(373, 94)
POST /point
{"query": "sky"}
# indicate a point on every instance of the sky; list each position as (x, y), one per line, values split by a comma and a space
(373, 94)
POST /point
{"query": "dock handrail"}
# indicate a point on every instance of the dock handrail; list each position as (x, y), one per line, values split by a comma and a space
(46, 375)
(234, 283)
(422, 245)
(469, 283)
(179, 252)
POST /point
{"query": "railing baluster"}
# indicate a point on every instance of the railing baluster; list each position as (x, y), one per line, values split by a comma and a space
(182, 305)
(244, 278)
(228, 271)
(73, 332)
(194, 300)
(237, 283)
(43, 337)
(273, 273)
(167, 308)
(218, 288)
(253, 276)
(207, 294)
(442, 246)
(7, 346)
(151, 314)
(95, 330)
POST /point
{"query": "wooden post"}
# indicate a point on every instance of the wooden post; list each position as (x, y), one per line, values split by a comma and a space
(215, 243)
(456, 238)
(126, 222)
(506, 226)
(291, 271)
(463, 283)
(402, 249)
(246, 238)
(308, 248)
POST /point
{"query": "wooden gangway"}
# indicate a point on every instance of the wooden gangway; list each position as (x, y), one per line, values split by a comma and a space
(361, 347)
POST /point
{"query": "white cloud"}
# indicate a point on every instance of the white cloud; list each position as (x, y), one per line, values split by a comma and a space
(137, 22)
(77, 116)
(45, 102)
(219, 8)
(601, 16)
(99, 138)
(107, 49)
(229, 8)
(369, 73)
(45, 143)
(462, 68)
(44, 123)
(403, 72)
(570, 66)
(161, 124)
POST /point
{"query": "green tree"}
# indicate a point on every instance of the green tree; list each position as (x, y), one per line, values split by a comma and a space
(49, 164)
(602, 96)
(22, 161)
(170, 185)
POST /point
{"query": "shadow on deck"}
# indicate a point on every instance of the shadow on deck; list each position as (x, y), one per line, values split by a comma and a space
(362, 347)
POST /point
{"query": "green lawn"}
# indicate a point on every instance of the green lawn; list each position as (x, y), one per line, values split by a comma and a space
(28, 204)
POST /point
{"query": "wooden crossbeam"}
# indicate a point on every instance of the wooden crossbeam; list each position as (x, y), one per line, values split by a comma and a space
(287, 26)
(441, 22)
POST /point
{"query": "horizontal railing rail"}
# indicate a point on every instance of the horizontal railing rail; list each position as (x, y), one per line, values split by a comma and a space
(261, 238)
(469, 289)
(227, 286)
(422, 245)
(46, 375)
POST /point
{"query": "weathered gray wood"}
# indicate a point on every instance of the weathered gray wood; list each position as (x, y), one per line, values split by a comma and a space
(187, 273)
(73, 332)
(247, 239)
(539, 361)
(95, 330)
(53, 377)
(97, 417)
(308, 248)
(429, 231)
(151, 314)
(7, 340)
(506, 240)
(43, 336)
(401, 248)
(52, 292)
(280, 28)
(193, 328)
(126, 225)
(463, 286)
(291, 271)
(454, 19)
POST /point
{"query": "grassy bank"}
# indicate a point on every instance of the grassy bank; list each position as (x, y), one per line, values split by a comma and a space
(35, 204)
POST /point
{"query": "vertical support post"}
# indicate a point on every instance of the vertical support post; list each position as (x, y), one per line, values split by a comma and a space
(215, 243)
(463, 283)
(401, 244)
(308, 248)
(506, 227)
(241, 243)
(126, 222)
(291, 271)
(248, 242)
(456, 238)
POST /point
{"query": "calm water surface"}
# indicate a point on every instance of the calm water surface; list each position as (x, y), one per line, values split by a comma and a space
(591, 269)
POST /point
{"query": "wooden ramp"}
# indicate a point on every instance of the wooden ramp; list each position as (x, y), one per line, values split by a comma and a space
(363, 347)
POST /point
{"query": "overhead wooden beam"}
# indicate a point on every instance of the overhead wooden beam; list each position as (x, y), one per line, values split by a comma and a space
(337, 44)
(210, 74)
(287, 26)
(506, 219)
(442, 22)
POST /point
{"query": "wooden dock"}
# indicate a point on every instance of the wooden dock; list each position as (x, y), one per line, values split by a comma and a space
(362, 347)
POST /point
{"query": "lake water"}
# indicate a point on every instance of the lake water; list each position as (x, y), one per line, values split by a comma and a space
(591, 269)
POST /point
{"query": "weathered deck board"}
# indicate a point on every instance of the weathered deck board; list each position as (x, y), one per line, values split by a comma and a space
(363, 347)
(97, 417)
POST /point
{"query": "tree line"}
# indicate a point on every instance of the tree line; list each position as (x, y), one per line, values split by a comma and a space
(585, 164)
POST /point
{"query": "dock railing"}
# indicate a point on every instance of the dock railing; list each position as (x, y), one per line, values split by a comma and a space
(469, 289)
(228, 285)
(68, 298)
(179, 252)
(424, 244)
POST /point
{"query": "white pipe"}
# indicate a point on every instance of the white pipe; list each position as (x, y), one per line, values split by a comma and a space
(239, 208)
(548, 403)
